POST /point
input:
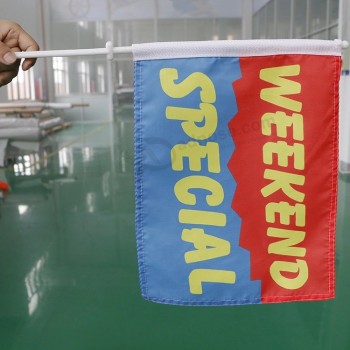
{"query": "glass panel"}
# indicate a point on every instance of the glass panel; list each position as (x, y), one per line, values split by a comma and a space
(174, 30)
(141, 31)
(333, 11)
(283, 18)
(300, 13)
(255, 26)
(229, 28)
(84, 73)
(318, 14)
(61, 75)
(270, 20)
(264, 22)
(22, 86)
(333, 33)
(321, 35)
(259, 24)
(101, 81)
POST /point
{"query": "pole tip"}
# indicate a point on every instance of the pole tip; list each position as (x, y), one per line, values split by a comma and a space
(342, 43)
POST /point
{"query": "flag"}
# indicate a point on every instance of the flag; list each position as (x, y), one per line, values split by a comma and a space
(236, 164)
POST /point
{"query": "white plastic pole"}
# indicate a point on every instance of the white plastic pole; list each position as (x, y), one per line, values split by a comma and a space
(99, 51)
(77, 52)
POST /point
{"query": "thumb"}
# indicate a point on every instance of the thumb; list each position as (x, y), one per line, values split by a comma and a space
(6, 55)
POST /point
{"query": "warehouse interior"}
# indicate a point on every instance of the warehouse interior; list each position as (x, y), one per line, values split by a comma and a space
(68, 260)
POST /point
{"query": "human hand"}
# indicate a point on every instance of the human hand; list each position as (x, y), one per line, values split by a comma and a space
(14, 38)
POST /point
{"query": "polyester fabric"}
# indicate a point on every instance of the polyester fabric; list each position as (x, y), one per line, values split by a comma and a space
(236, 164)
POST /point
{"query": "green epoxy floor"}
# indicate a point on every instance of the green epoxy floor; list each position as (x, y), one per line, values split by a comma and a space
(68, 269)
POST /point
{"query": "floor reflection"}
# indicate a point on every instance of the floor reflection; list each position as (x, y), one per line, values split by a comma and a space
(34, 285)
(68, 270)
(68, 217)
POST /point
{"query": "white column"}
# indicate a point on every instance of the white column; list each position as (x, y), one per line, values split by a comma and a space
(344, 110)
(155, 20)
(247, 19)
(110, 63)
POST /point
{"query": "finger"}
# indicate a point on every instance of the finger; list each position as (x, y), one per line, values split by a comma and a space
(6, 77)
(6, 55)
(27, 43)
(28, 63)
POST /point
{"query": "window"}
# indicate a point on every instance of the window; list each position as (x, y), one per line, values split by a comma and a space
(84, 73)
(300, 18)
(61, 77)
(22, 86)
(318, 15)
(101, 85)
(259, 24)
(99, 30)
(283, 19)
(333, 33)
(270, 9)
(333, 11)
(316, 19)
